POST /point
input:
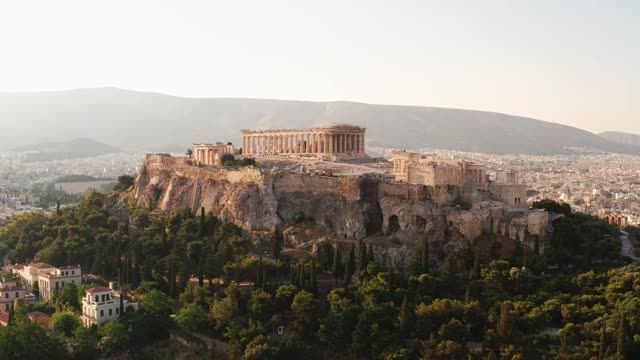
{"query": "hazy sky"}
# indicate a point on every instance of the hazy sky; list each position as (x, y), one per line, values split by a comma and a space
(572, 62)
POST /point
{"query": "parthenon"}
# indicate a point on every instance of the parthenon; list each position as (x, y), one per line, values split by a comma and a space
(335, 140)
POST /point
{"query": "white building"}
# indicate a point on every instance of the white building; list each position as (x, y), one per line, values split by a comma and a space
(100, 304)
(48, 277)
(54, 280)
(9, 292)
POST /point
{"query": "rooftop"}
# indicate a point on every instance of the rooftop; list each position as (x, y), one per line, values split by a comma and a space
(36, 314)
(97, 289)
(40, 265)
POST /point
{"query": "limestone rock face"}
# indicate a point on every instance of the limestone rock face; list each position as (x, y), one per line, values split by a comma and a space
(395, 218)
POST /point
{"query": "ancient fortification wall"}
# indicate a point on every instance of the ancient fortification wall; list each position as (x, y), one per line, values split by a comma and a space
(345, 208)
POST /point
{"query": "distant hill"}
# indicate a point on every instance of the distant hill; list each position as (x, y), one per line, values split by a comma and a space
(149, 121)
(76, 148)
(621, 137)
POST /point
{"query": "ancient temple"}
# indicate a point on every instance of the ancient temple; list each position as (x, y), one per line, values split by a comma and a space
(336, 140)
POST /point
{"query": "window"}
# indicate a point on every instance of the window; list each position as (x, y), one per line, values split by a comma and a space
(6, 295)
(117, 311)
(17, 294)
(97, 298)
(102, 298)
(73, 272)
(62, 284)
(101, 313)
(109, 312)
(6, 307)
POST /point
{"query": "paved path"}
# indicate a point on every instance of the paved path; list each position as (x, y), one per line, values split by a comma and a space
(626, 246)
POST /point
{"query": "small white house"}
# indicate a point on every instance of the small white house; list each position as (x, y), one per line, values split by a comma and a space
(100, 304)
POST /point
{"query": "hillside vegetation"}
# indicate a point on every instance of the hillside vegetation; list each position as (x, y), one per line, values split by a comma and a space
(341, 302)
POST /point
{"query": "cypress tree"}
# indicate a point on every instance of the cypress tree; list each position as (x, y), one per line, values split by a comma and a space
(203, 227)
(602, 337)
(362, 257)
(313, 278)
(370, 254)
(425, 256)
(467, 296)
(259, 274)
(620, 334)
(292, 275)
(277, 243)
(348, 272)
(301, 279)
(475, 272)
(405, 317)
(337, 263)
(58, 207)
(351, 263)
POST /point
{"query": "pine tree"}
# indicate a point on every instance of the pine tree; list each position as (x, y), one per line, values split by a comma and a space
(405, 317)
(337, 267)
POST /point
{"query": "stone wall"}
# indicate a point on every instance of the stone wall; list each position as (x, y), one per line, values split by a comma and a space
(344, 208)
(508, 193)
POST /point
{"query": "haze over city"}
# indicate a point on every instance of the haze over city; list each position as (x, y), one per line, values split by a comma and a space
(569, 62)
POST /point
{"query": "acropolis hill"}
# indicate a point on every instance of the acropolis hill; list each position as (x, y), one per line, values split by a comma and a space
(324, 174)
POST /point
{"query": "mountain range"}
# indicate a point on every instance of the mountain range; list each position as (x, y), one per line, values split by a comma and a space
(59, 150)
(155, 122)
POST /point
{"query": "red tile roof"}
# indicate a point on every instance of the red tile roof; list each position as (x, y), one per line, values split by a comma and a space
(4, 317)
(40, 265)
(97, 289)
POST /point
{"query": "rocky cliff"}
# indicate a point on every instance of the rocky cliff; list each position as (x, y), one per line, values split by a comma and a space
(395, 217)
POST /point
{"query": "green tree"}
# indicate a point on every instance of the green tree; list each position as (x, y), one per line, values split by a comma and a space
(29, 341)
(64, 322)
(124, 183)
(277, 243)
(191, 317)
(405, 317)
(362, 257)
(306, 309)
(337, 267)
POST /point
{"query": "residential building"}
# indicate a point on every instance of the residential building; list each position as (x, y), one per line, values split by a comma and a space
(48, 277)
(9, 292)
(100, 305)
(51, 281)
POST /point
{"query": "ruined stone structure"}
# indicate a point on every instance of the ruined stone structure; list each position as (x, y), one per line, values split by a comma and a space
(615, 218)
(211, 154)
(395, 217)
(432, 170)
(337, 140)
(508, 189)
